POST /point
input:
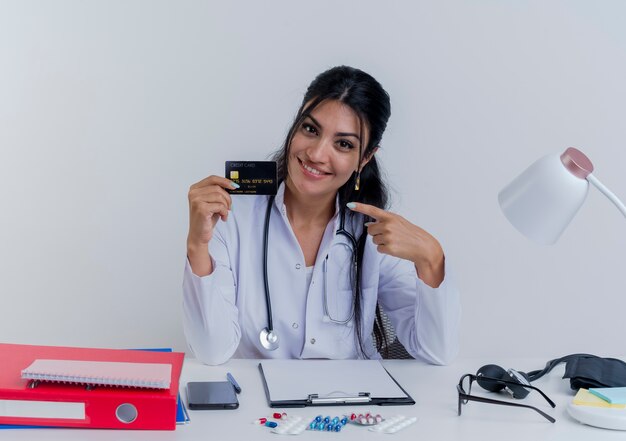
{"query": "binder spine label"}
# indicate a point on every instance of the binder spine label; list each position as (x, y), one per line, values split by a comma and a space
(42, 409)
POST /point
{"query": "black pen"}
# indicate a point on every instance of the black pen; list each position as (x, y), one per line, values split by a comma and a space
(233, 382)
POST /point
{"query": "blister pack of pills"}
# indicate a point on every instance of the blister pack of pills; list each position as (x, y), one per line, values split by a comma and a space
(293, 425)
(393, 424)
(366, 419)
(328, 424)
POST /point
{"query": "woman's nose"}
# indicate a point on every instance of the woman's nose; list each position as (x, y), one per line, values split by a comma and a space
(318, 152)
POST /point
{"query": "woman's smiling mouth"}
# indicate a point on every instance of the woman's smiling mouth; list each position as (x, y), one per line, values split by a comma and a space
(311, 171)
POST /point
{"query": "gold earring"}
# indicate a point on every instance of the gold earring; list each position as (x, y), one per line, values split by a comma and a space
(357, 184)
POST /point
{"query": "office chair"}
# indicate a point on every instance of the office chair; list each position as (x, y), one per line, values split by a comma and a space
(395, 349)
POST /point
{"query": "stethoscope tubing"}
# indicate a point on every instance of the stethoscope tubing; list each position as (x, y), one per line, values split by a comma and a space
(267, 336)
(266, 228)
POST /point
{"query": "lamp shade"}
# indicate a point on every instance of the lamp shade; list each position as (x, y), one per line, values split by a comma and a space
(543, 200)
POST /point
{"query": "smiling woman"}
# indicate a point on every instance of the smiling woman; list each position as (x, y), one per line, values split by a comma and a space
(333, 249)
(323, 156)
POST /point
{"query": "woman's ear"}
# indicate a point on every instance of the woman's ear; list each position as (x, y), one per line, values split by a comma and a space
(368, 158)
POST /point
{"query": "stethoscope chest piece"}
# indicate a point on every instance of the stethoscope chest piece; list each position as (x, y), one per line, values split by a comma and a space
(269, 339)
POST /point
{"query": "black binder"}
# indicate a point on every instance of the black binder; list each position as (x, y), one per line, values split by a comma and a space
(337, 398)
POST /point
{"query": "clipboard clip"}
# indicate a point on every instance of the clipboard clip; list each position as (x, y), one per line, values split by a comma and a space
(335, 398)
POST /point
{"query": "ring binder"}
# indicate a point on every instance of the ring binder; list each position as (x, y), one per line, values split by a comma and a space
(56, 404)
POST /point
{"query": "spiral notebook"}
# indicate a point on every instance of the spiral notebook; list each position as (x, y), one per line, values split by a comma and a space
(101, 373)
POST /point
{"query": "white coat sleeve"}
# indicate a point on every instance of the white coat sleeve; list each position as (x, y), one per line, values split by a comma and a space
(426, 319)
(210, 313)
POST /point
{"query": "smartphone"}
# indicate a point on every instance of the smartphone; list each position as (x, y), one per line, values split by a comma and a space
(211, 395)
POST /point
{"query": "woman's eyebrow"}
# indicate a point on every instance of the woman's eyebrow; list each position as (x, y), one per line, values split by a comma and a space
(336, 134)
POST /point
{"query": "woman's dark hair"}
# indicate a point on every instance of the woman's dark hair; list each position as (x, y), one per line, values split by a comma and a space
(366, 97)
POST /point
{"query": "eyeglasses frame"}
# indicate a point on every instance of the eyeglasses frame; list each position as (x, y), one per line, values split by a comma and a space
(464, 397)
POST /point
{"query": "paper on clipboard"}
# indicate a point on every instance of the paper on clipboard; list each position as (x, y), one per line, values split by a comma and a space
(296, 380)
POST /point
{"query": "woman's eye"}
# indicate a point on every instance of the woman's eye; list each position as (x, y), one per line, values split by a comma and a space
(309, 128)
(345, 144)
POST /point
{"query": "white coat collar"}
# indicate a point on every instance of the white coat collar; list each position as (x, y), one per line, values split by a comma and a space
(279, 202)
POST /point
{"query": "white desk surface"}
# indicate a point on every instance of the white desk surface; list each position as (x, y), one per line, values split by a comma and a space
(432, 387)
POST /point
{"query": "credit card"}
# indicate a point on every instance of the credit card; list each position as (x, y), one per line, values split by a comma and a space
(253, 177)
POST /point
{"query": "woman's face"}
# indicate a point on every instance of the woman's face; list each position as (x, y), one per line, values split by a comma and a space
(324, 150)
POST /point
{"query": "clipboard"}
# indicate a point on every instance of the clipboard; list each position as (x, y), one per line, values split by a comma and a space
(303, 383)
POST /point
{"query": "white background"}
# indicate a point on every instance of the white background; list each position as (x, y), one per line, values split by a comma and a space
(109, 110)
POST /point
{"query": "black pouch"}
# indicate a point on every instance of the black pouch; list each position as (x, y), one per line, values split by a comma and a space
(586, 370)
(589, 372)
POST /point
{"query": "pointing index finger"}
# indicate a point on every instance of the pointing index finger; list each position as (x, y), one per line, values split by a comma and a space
(368, 210)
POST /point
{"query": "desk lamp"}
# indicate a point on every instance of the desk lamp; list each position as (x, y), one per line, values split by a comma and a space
(540, 203)
(543, 200)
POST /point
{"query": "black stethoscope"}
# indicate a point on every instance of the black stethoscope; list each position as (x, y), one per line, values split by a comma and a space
(268, 336)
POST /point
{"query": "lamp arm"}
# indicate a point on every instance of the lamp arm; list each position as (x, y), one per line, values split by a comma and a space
(608, 193)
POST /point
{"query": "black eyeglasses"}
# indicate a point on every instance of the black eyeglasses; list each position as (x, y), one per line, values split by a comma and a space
(464, 397)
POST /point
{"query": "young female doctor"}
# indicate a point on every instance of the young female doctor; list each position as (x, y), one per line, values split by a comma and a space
(305, 273)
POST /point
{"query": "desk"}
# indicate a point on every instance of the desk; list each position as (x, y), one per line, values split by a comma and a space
(432, 387)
